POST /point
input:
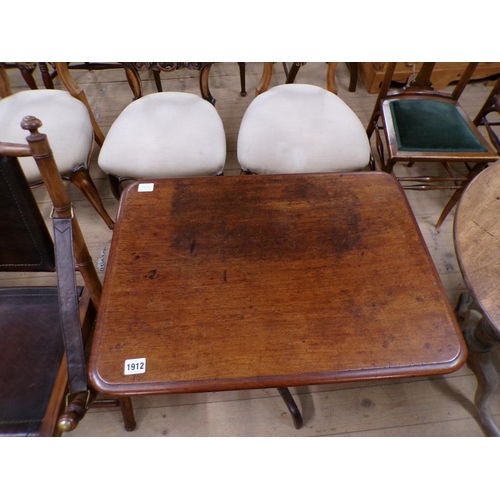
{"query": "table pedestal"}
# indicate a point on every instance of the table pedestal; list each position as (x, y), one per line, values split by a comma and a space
(481, 337)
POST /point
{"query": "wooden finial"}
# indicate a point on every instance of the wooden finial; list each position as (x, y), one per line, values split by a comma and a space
(32, 124)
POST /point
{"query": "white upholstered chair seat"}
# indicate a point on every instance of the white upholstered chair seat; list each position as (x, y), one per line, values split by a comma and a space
(168, 134)
(298, 128)
(65, 121)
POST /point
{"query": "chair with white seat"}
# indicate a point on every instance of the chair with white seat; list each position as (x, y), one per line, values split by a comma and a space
(301, 128)
(72, 131)
(161, 135)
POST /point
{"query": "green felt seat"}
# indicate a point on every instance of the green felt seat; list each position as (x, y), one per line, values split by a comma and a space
(432, 125)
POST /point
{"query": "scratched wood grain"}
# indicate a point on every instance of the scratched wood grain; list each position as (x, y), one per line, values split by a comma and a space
(421, 407)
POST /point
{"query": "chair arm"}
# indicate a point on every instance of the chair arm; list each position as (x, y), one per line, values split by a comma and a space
(75, 411)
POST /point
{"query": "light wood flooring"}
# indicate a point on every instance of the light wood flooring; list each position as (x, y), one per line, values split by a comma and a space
(428, 406)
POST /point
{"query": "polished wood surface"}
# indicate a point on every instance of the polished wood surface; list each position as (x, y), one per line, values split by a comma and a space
(262, 281)
(477, 233)
(477, 239)
(421, 406)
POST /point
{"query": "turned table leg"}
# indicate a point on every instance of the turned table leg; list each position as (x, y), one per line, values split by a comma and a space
(481, 338)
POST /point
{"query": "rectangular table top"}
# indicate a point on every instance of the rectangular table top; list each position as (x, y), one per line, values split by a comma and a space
(244, 282)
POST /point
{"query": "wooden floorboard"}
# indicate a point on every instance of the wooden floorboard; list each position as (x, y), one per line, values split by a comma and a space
(373, 409)
(439, 406)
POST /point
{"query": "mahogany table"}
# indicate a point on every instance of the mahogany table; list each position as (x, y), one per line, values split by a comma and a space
(245, 282)
(477, 244)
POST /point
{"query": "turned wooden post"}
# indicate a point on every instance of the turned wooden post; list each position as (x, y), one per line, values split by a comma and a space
(41, 152)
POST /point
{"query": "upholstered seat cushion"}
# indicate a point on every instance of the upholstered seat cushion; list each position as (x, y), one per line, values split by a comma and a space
(65, 121)
(301, 128)
(167, 134)
(432, 125)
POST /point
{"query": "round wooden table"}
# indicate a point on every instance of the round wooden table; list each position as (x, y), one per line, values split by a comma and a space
(477, 244)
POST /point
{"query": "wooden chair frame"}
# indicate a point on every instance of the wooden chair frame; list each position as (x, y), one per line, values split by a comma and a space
(381, 120)
(116, 183)
(38, 147)
(48, 76)
(80, 175)
(268, 73)
(291, 73)
(491, 105)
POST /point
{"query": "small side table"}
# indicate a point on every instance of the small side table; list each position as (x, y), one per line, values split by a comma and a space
(477, 244)
(263, 281)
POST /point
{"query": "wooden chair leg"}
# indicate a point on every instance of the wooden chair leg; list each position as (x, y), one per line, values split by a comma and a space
(292, 73)
(47, 79)
(353, 70)
(82, 180)
(388, 167)
(115, 186)
(157, 78)
(292, 407)
(449, 207)
(458, 192)
(242, 78)
(27, 74)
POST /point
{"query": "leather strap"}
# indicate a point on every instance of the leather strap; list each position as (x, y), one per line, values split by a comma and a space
(68, 303)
